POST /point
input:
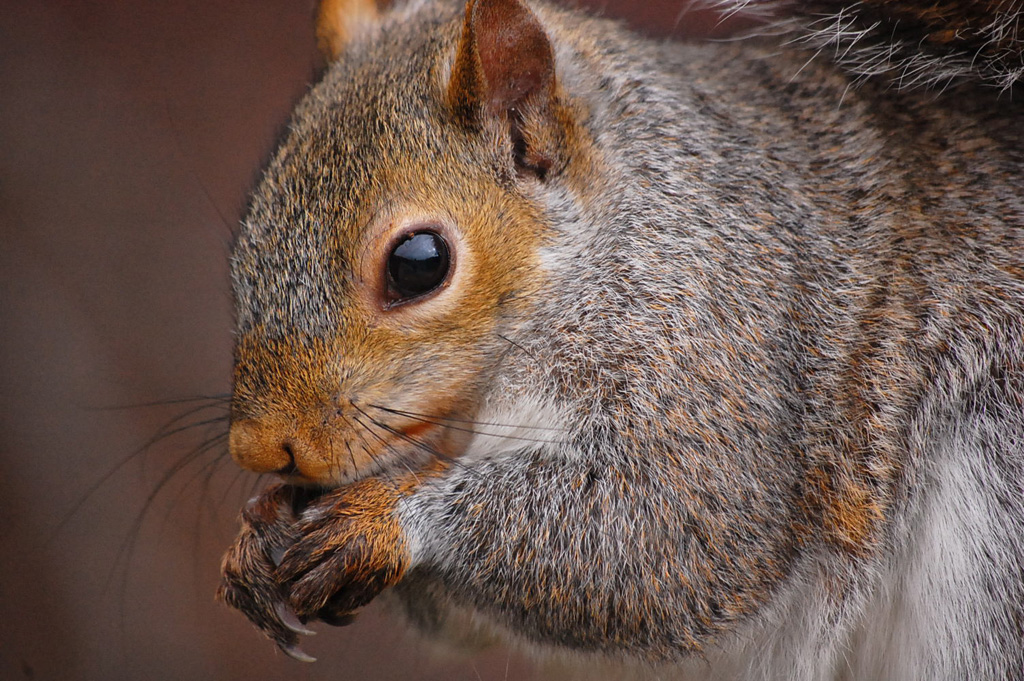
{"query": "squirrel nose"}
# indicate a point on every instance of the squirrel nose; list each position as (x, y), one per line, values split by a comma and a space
(264, 446)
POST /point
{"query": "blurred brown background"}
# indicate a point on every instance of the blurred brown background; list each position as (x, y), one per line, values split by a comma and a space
(129, 134)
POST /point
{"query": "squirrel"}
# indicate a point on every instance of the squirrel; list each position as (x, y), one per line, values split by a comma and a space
(700, 358)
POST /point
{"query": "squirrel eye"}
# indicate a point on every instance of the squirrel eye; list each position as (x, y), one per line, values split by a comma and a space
(418, 264)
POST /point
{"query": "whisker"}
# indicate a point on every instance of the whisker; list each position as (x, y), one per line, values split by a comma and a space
(209, 445)
(190, 162)
(335, 466)
(348, 446)
(240, 474)
(258, 482)
(384, 442)
(162, 434)
(421, 445)
(408, 438)
(366, 445)
(461, 429)
(413, 414)
(205, 503)
(165, 430)
(351, 456)
(211, 400)
(517, 346)
(195, 454)
(377, 467)
(127, 547)
(206, 496)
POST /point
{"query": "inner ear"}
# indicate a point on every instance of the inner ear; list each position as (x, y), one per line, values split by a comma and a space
(505, 69)
(516, 57)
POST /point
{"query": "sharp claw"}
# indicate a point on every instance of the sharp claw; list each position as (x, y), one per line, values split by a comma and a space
(293, 651)
(277, 555)
(291, 620)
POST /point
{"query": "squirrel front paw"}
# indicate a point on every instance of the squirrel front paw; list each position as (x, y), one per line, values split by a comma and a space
(299, 558)
(248, 579)
(350, 548)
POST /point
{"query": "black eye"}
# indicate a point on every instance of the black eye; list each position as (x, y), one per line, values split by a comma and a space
(418, 264)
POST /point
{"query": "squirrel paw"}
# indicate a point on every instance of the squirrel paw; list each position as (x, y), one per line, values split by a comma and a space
(301, 557)
(248, 580)
(350, 547)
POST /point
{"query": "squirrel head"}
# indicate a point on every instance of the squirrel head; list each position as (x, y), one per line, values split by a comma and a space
(391, 237)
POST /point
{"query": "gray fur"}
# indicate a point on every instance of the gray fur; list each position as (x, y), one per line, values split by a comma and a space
(770, 280)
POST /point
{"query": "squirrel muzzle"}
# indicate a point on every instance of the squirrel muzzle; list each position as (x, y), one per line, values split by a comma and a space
(338, 446)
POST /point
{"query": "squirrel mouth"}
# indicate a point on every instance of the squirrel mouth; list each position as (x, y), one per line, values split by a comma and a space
(302, 497)
(373, 446)
(418, 440)
(417, 444)
(413, 433)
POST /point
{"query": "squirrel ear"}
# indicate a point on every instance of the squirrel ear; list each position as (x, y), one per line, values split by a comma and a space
(505, 68)
(338, 21)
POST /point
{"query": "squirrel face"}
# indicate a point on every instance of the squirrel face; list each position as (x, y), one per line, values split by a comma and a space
(375, 265)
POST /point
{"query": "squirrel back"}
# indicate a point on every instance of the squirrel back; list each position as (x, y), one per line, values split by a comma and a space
(700, 355)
